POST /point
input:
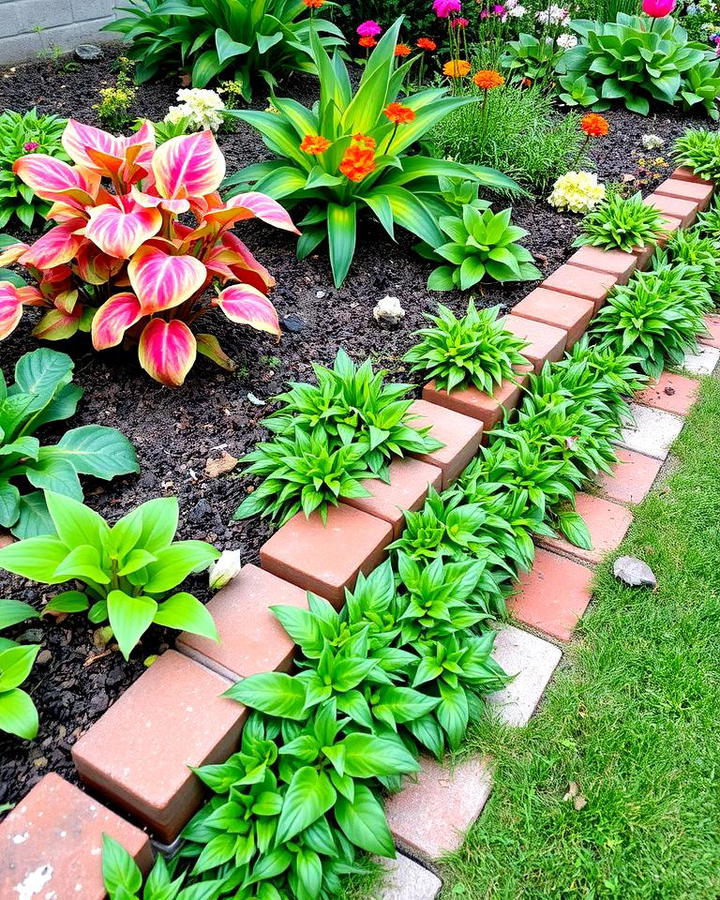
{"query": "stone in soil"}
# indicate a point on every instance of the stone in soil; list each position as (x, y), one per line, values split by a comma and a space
(634, 572)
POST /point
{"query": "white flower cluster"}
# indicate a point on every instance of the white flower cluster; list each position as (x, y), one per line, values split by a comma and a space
(566, 41)
(553, 15)
(578, 192)
(515, 9)
(651, 141)
(203, 108)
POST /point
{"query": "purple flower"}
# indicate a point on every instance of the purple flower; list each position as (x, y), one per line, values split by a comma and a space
(369, 28)
(30, 146)
(499, 9)
(443, 8)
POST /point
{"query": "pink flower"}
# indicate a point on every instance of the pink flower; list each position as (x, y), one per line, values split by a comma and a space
(459, 23)
(499, 10)
(484, 14)
(369, 28)
(30, 146)
(656, 9)
(443, 8)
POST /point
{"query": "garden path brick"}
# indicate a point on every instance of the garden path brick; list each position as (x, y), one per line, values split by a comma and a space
(687, 190)
(437, 805)
(713, 326)
(51, 844)
(251, 638)
(685, 210)
(460, 434)
(553, 595)
(546, 343)
(326, 559)
(652, 432)
(408, 880)
(671, 225)
(704, 362)
(685, 174)
(532, 661)
(607, 522)
(138, 753)
(477, 404)
(408, 488)
(573, 314)
(644, 255)
(632, 476)
(616, 262)
(673, 393)
(589, 285)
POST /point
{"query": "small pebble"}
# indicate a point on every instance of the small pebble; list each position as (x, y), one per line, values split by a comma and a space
(634, 572)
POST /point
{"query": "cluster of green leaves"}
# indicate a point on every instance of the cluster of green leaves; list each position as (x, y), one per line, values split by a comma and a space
(708, 221)
(399, 187)
(21, 134)
(127, 572)
(699, 150)
(328, 437)
(18, 715)
(43, 392)
(531, 57)
(621, 223)
(474, 350)
(246, 41)
(656, 316)
(694, 247)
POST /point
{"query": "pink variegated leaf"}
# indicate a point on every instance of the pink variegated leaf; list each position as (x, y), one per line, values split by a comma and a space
(232, 260)
(149, 198)
(113, 319)
(120, 232)
(162, 281)
(252, 205)
(31, 296)
(77, 139)
(12, 253)
(246, 305)
(209, 346)
(188, 166)
(55, 247)
(11, 308)
(66, 301)
(57, 325)
(52, 179)
(95, 267)
(167, 351)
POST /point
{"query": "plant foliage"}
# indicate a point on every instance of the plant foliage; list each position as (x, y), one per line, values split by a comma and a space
(18, 714)
(699, 150)
(621, 223)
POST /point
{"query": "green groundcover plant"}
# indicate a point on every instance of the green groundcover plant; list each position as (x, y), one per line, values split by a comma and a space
(18, 714)
(621, 223)
(234, 38)
(708, 222)
(43, 392)
(127, 573)
(696, 248)
(699, 150)
(350, 154)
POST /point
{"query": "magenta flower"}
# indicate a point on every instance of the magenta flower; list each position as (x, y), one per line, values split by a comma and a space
(30, 146)
(656, 9)
(459, 23)
(484, 14)
(368, 29)
(499, 9)
(443, 8)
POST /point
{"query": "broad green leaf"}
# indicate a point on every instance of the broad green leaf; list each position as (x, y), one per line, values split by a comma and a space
(98, 450)
(273, 693)
(363, 822)
(175, 563)
(341, 226)
(130, 617)
(309, 796)
(76, 523)
(119, 868)
(18, 714)
(16, 664)
(14, 611)
(35, 558)
(187, 613)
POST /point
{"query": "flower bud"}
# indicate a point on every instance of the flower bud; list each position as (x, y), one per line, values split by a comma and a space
(224, 569)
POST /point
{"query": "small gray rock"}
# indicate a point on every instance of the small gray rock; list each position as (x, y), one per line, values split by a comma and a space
(292, 323)
(43, 657)
(88, 52)
(634, 572)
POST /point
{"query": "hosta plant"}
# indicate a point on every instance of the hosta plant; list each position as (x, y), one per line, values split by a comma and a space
(708, 222)
(621, 223)
(246, 41)
(123, 879)
(18, 714)
(43, 392)
(21, 134)
(127, 573)
(693, 248)
(120, 263)
(350, 154)
(699, 150)
(473, 350)
(478, 245)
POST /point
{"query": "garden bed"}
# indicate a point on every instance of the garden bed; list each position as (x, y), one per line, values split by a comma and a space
(176, 431)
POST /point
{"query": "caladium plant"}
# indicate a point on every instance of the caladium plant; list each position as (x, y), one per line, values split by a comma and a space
(119, 263)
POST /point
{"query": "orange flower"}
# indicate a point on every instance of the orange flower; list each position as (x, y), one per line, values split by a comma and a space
(314, 144)
(399, 114)
(526, 82)
(426, 44)
(357, 162)
(313, 4)
(594, 125)
(487, 79)
(367, 41)
(364, 140)
(456, 68)
(402, 50)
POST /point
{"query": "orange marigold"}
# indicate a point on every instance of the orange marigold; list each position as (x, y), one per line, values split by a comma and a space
(426, 44)
(487, 79)
(399, 114)
(357, 162)
(595, 125)
(402, 50)
(367, 41)
(364, 140)
(313, 4)
(456, 68)
(314, 144)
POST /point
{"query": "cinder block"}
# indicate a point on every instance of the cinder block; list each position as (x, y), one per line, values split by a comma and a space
(704, 362)
(652, 432)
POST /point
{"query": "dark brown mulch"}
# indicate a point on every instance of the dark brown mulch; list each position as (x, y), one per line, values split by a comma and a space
(175, 432)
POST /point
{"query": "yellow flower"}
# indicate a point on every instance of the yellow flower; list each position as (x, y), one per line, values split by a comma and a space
(456, 68)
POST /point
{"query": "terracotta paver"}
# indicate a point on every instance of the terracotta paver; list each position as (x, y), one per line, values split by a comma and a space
(713, 326)
(251, 638)
(607, 523)
(546, 343)
(687, 190)
(651, 432)
(685, 210)
(407, 880)
(437, 805)
(326, 559)
(589, 285)
(670, 224)
(477, 404)
(644, 256)
(460, 434)
(573, 314)
(138, 753)
(632, 476)
(674, 393)
(553, 595)
(51, 844)
(688, 175)
(616, 262)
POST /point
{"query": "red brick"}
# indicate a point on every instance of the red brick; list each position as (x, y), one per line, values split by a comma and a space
(546, 343)
(251, 638)
(674, 393)
(460, 434)
(436, 806)
(688, 175)
(594, 286)
(572, 314)
(607, 523)
(326, 559)
(632, 476)
(408, 488)
(670, 224)
(616, 262)
(52, 844)
(553, 595)
(643, 255)
(138, 753)
(687, 190)
(685, 210)
(477, 404)
(713, 326)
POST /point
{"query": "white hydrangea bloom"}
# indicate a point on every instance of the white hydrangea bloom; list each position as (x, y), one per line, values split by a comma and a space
(203, 108)
(566, 41)
(578, 192)
(517, 11)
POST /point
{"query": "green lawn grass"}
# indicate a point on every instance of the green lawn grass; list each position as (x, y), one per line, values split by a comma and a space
(633, 718)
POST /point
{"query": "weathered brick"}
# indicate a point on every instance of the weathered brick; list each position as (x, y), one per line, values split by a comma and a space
(139, 752)
(546, 343)
(572, 314)
(607, 523)
(652, 432)
(477, 404)
(643, 256)
(460, 434)
(687, 190)
(589, 285)
(673, 393)
(685, 210)
(408, 880)
(670, 224)
(616, 262)
(632, 476)
(713, 326)
(685, 174)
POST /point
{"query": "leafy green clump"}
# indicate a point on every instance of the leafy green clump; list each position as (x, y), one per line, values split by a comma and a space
(699, 150)
(691, 247)
(708, 222)
(621, 223)
(18, 714)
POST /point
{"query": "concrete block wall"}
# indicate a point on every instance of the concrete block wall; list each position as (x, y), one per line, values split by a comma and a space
(63, 23)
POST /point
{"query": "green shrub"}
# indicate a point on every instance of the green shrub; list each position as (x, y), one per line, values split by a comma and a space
(708, 222)
(699, 150)
(693, 248)
(621, 223)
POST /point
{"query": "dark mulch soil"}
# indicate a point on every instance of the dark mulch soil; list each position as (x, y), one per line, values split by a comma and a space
(176, 432)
